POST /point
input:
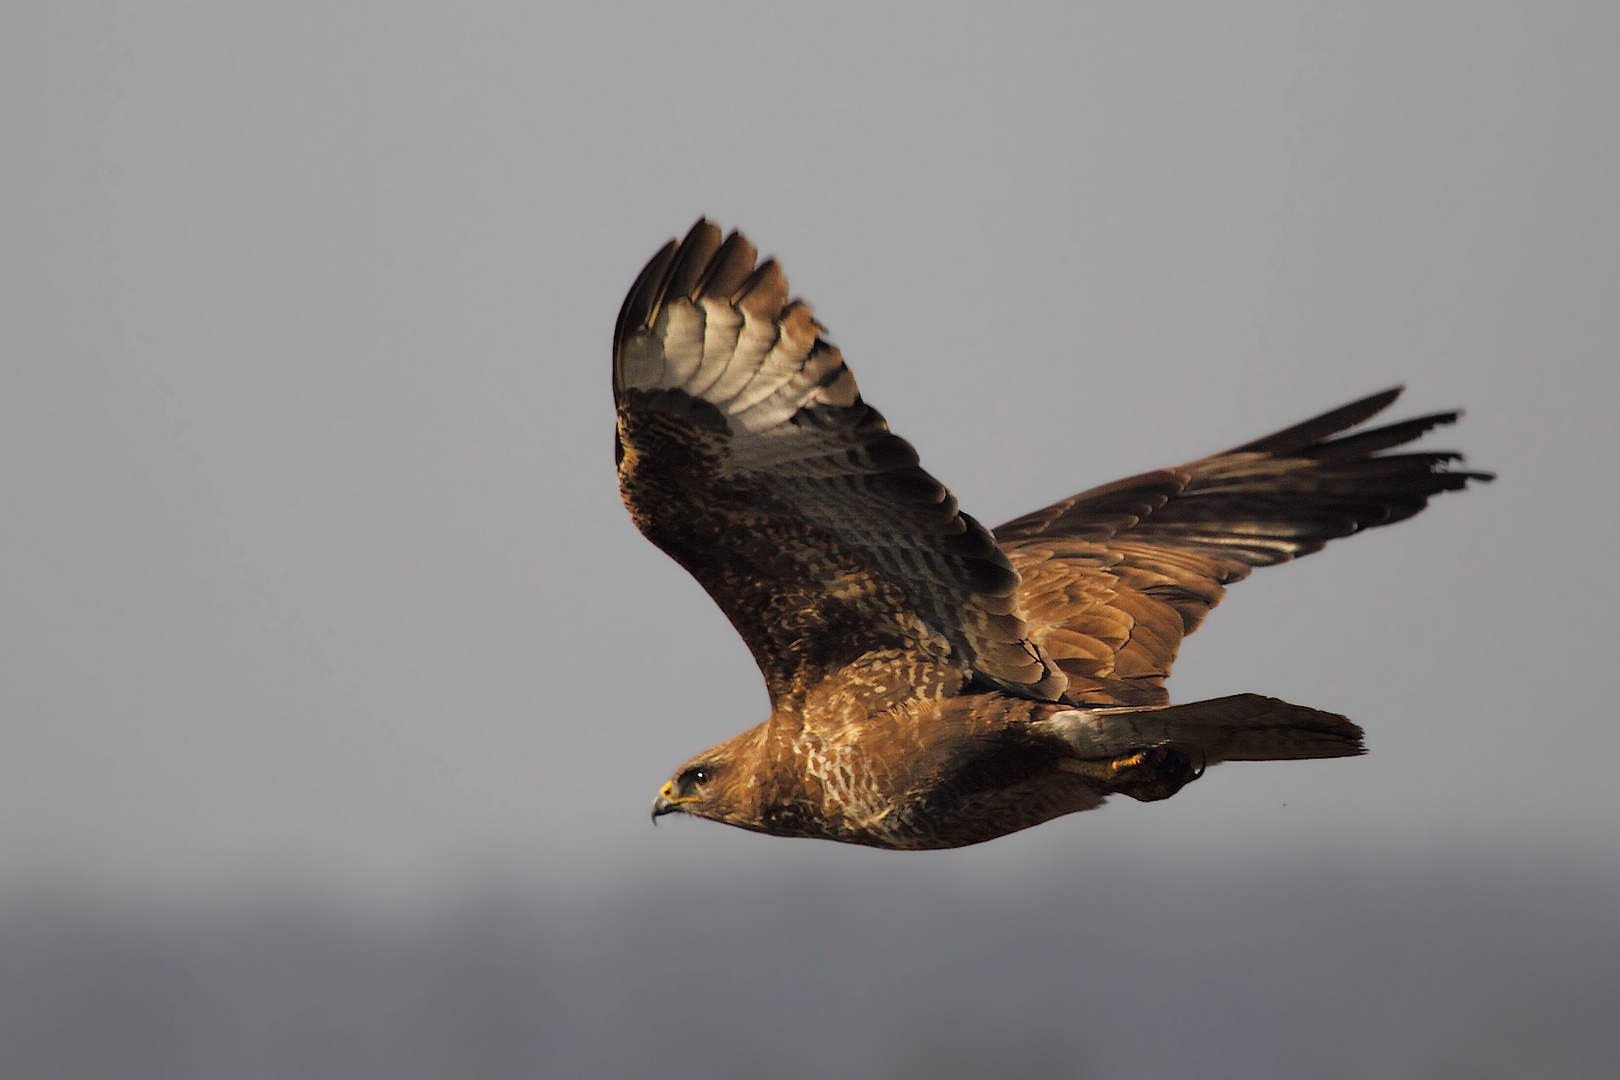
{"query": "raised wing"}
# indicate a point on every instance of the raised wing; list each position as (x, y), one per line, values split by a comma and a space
(746, 453)
(1115, 577)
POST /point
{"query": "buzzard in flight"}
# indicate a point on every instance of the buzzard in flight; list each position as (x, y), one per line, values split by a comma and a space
(934, 683)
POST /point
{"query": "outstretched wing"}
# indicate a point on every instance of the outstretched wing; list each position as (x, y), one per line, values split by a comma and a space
(746, 453)
(1115, 577)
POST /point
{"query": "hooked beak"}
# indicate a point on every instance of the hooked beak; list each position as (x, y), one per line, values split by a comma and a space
(668, 802)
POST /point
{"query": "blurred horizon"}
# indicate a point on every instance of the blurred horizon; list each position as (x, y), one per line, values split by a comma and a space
(1128, 969)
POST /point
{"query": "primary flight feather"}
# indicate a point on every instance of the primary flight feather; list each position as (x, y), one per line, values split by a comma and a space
(933, 683)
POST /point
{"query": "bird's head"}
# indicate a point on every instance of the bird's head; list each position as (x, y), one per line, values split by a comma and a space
(720, 784)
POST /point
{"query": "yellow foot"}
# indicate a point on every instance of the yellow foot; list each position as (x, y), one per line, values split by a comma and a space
(1146, 775)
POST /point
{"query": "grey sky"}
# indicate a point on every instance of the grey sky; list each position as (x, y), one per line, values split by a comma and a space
(314, 569)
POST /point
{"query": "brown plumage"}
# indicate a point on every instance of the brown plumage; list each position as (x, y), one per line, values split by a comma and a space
(934, 684)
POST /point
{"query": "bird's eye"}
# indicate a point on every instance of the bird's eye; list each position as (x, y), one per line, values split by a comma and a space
(700, 776)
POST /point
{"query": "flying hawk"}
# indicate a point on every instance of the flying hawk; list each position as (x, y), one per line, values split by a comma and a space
(933, 683)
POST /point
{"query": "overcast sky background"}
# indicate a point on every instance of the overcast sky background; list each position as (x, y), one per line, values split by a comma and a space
(315, 573)
(335, 683)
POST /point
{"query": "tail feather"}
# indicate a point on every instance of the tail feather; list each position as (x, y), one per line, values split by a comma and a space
(1243, 727)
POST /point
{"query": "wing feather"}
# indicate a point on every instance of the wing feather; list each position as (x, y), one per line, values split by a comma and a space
(1134, 566)
(746, 453)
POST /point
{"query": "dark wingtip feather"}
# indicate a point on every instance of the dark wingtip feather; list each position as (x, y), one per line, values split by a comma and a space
(728, 269)
(1365, 443)
(692, 259)
(642, 300)
(1292, 439)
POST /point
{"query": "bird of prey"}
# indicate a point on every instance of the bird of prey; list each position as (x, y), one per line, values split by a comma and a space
(934, 683)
